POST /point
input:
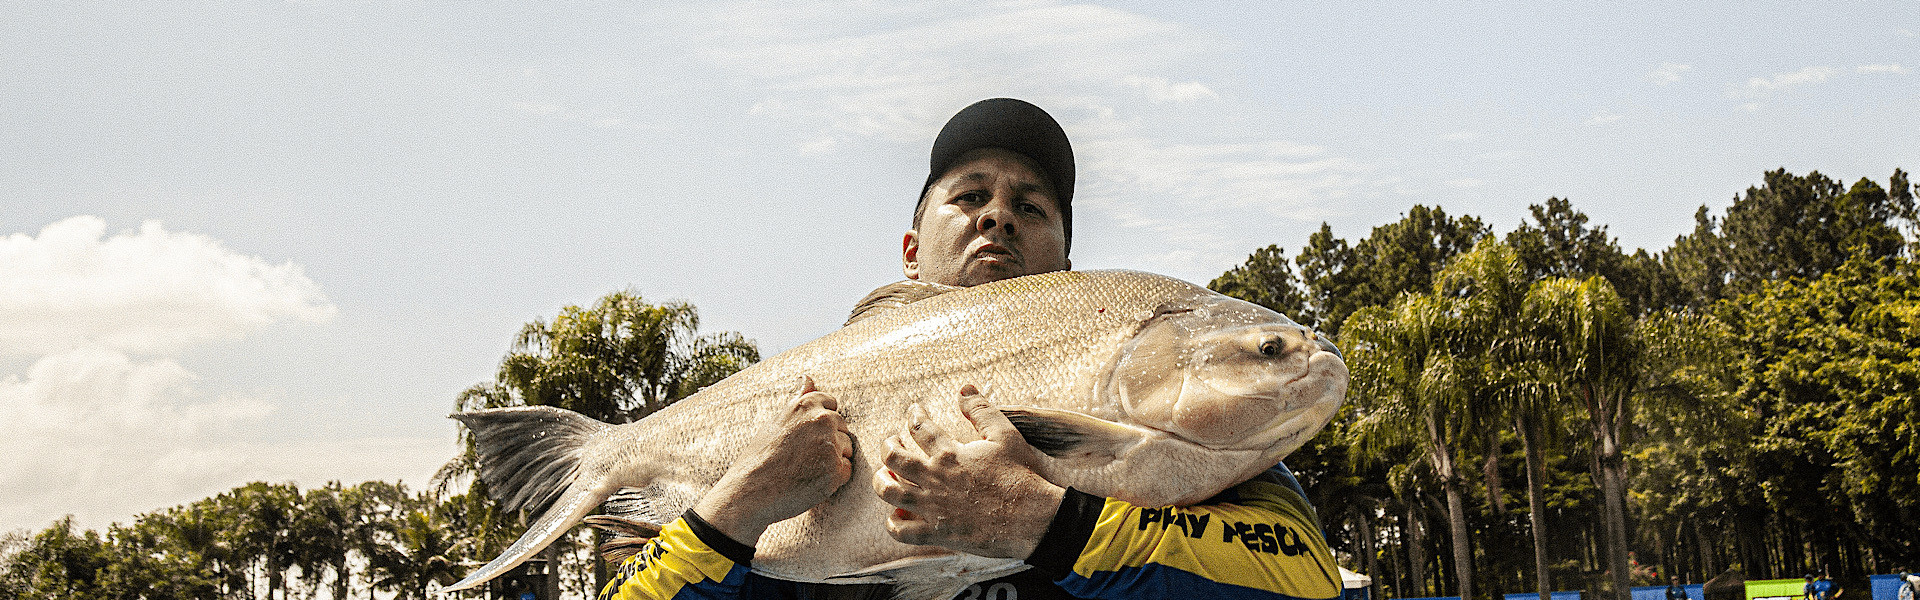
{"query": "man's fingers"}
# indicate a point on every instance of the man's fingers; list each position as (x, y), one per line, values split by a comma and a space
(843, 443)
(908, 463)
(909, 528)
(894, 490)
(923, 431)
(986, 418)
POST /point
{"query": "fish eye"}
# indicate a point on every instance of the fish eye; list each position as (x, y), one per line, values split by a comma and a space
(1271, 347)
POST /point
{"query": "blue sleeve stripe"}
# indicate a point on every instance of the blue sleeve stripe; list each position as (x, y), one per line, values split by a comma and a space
(1155, 580)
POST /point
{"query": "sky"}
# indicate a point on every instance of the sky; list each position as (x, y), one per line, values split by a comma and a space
(272, 241)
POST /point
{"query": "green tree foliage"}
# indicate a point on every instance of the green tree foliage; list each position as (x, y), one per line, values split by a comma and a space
(1557, 242)
(620, 359)
(1398, 257)
(1266, 279)
(57, 563)
(1831, 369)
(1742, 399)
(1791, 227)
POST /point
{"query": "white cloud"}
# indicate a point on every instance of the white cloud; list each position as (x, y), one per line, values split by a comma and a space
(1893, 68)
(1461, 136)
(1465, 183)
(902, 83)
(1602, 117)
(1668, 73)
(147, 291)
(111, 436)
(112, 423)
(1759, 86)
(1102, 72)
(1158, 89)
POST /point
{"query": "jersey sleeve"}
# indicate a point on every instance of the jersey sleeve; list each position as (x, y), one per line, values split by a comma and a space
(689, 560)
(1258, 540)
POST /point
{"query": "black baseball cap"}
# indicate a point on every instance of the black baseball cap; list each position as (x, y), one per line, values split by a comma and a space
(1016, 125)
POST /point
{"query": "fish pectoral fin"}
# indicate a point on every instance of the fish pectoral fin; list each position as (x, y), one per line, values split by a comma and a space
(1069, 434)
(932, 577)
(624, 527)
(896, 295)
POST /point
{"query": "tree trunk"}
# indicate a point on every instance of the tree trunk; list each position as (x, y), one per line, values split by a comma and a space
(1416, 550)
(1607, 475)
(1442, 459)
(599, 562)
(1371, 564)
(1462, 547)
(341, 578)
(1490, 470)
(1537, 503)
(552, 554)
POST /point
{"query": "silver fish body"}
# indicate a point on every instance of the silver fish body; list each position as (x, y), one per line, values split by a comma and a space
(1137, 386)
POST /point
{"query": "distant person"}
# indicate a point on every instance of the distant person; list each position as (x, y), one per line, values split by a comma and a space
(1909, 587)
(1806, 591)
(1674, 591)
(1823, 589)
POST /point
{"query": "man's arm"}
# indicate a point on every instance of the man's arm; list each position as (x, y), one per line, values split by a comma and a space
(1261, 540)
(797, 462)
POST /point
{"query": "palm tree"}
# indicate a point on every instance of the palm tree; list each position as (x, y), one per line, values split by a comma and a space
(1491, 288)
(1597, 357)
(320, 540)
(420, 556)
(1406, 369)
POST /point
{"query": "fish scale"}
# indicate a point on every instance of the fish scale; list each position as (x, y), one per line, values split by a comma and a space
(1048, 342)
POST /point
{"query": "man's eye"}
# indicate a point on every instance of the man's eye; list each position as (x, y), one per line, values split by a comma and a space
(970, 198)
(1032, 209)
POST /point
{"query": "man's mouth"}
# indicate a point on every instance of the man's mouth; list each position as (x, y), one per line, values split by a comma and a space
(994, 253)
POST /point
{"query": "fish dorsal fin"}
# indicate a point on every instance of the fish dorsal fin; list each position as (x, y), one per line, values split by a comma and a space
(1067, 434)
(896, 295)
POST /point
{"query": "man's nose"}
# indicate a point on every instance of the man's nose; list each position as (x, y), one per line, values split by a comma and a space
(995, 214)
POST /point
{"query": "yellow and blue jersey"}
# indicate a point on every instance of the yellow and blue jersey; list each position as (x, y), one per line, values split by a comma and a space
(1259, 539)
(689, 560)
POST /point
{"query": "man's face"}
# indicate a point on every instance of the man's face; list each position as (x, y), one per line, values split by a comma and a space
(991, 216)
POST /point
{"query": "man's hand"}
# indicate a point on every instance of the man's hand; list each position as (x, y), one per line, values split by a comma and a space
(980, 497)
(797, 462)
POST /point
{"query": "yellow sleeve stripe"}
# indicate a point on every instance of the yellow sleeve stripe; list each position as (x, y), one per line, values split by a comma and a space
(1267, 541)
(672, 561)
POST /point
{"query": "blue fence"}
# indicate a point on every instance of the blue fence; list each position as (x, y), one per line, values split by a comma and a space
(1568, 595)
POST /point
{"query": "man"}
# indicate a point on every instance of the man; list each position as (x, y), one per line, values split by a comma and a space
(996, 205)
(1823, 588)
(1674, 591)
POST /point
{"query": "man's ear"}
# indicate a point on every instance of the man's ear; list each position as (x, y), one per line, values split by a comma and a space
(910, 254)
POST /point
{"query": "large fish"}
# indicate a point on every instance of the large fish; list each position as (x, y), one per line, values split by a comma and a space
(1136, 386)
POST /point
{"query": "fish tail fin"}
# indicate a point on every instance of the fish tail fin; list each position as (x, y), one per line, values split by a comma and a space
(528, 455)
(530, 458)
